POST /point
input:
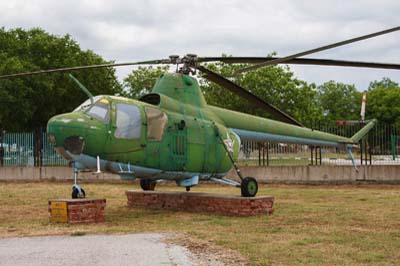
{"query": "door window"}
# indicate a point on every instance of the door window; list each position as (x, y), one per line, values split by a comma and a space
(129, 121)
(156, 123)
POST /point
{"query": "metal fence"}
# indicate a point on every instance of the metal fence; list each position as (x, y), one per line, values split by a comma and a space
(28, 149)
(381, 146)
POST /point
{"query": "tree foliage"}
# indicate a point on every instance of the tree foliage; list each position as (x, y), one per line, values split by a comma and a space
(140, 81)
(339, 101)
(29, 102)
(383, 101)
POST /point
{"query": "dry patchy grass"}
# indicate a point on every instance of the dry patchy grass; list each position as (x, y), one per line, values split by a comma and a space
(311, 225)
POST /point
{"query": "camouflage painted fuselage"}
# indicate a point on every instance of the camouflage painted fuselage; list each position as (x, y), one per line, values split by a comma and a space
(195, 138)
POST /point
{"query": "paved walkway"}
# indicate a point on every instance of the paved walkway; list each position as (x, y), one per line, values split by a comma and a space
(96, 250)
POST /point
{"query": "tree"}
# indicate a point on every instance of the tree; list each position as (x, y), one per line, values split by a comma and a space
(29, 102)
(274, 84)
(142, 80)
(383, 101)
(339, 101)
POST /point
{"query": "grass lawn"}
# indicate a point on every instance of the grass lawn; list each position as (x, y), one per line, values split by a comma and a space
(311, 225)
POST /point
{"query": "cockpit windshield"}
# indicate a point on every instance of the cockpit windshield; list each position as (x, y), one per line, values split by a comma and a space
(86, 104)
(100, 110)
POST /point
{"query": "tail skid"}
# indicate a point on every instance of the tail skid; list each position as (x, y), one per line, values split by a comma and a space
(352, 158)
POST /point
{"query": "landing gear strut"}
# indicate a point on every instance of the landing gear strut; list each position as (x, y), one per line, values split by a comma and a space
(248, 185)
(77, 191)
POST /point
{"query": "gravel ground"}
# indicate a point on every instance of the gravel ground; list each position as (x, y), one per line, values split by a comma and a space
(134, 249)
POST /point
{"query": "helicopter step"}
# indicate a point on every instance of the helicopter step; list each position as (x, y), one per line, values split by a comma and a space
(188, 183)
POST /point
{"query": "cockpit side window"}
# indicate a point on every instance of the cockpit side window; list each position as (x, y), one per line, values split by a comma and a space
(156, 123)
(100, 110)
(129, 121)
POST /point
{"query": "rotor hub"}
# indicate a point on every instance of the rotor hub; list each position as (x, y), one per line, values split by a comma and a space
(188, 62)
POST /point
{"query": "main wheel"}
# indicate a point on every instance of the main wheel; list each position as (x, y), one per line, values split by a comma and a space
(75, 193)
(147, 184)
(249, 187)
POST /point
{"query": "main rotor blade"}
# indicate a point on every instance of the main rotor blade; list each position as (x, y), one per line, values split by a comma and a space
(319, 49)
(162, 61)
(225, 83)
(300, 61)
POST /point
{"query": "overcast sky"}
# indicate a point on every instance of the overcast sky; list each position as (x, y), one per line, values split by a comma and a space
(130, 30)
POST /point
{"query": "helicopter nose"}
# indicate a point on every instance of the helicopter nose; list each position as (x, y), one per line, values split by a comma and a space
(67, 131)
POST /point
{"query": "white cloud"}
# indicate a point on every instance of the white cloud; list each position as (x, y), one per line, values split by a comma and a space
(128, 30)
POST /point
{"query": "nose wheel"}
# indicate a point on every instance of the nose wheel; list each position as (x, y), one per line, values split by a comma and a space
(78, 192)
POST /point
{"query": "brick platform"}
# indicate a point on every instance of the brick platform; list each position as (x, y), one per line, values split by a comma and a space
(201, 202)
(77, 210)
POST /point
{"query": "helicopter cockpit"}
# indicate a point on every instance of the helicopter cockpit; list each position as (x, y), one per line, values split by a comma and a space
(127, 118)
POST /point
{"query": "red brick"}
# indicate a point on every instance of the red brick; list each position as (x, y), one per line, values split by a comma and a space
(200, 202)
(84, 210)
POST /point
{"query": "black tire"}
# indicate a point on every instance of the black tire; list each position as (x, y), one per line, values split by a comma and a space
(75, 193)
(147, 184)
(249, 187)
(83, 193)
